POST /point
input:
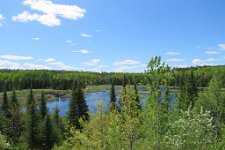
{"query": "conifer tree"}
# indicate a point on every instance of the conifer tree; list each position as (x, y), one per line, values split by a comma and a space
(32, 122)
(189, 93)
(112, 103)
(73, 109)
(5, 105)
(15, 119)
(43, 107)
(13, 98)
(138, 102)
(78, 107)
(82, 105)
(47, 134)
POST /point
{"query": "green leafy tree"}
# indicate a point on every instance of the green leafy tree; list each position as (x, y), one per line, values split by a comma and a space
(213, 100)
(190, 131)
(3, 143)
(154, 119)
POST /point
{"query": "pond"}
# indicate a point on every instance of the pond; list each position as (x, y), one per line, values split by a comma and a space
(92, 98)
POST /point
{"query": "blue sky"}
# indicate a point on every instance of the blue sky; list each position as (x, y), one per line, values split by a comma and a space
(110, 35)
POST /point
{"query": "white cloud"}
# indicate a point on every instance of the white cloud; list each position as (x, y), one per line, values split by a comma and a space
(222, 47)
(172, 53)
(49, 60)
(83, 51)
(69, 41)
(9, 65)
(58, 65)
(93, 62)
(86, 35)
(212, 52)
(174, 60)
(213, 59)
(46, 19)
(1, 19)
(15, 57)
(98, 30)
(132, 68)
(35, 38)
(198, 62)
(126, 62)
(49, 12)
(35, 66)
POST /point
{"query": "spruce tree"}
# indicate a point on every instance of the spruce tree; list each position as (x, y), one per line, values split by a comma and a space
(82, 105)
(5, 105)
(13, 98)
(43, 107)
(138, 102)
(78, 107)
(47, 134)
(112, 103)
(32, 122)
(15, 119)
(189, 93)
(73, 109)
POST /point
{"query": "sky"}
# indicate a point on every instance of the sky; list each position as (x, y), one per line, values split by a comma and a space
(110, 35)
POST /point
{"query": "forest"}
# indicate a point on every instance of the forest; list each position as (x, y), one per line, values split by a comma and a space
(194, 120)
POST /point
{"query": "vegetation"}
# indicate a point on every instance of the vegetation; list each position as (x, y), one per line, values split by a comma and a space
(195, 120)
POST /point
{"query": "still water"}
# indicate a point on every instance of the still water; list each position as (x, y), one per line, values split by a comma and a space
(92, 98)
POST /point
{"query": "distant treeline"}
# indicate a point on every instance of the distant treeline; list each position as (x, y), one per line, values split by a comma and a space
(43, 79)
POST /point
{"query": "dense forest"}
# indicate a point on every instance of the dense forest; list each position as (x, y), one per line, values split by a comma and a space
(63, 80)
(195, 120)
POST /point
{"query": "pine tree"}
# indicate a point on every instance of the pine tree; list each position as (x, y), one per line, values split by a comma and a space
(43, 107)
(13, 98)
(47, 134)
(56, 117)
(82, 105)
(73, 109)
(15, 119)
(32, 122)
(112, 103)
(78, 107)
(189, 93)
(5, 105)
(138, 102)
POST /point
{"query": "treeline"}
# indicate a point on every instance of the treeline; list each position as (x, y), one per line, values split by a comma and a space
(44, 79)
(63, 80)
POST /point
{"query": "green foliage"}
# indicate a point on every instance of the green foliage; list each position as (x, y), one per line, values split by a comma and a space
(78, 107)
(112, 103)
(43, 107)
(3, 143)
(189, 93)
(190, 131)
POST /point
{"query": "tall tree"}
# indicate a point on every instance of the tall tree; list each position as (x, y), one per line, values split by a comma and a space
(32, 122)
(73, 109)
(153, 115)
(78, 107)
(213, 100)
(43, 107)
(138, 102)
(15, 119)
(48, 138)
(112, 103)
(189, 93)
(5, 105)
